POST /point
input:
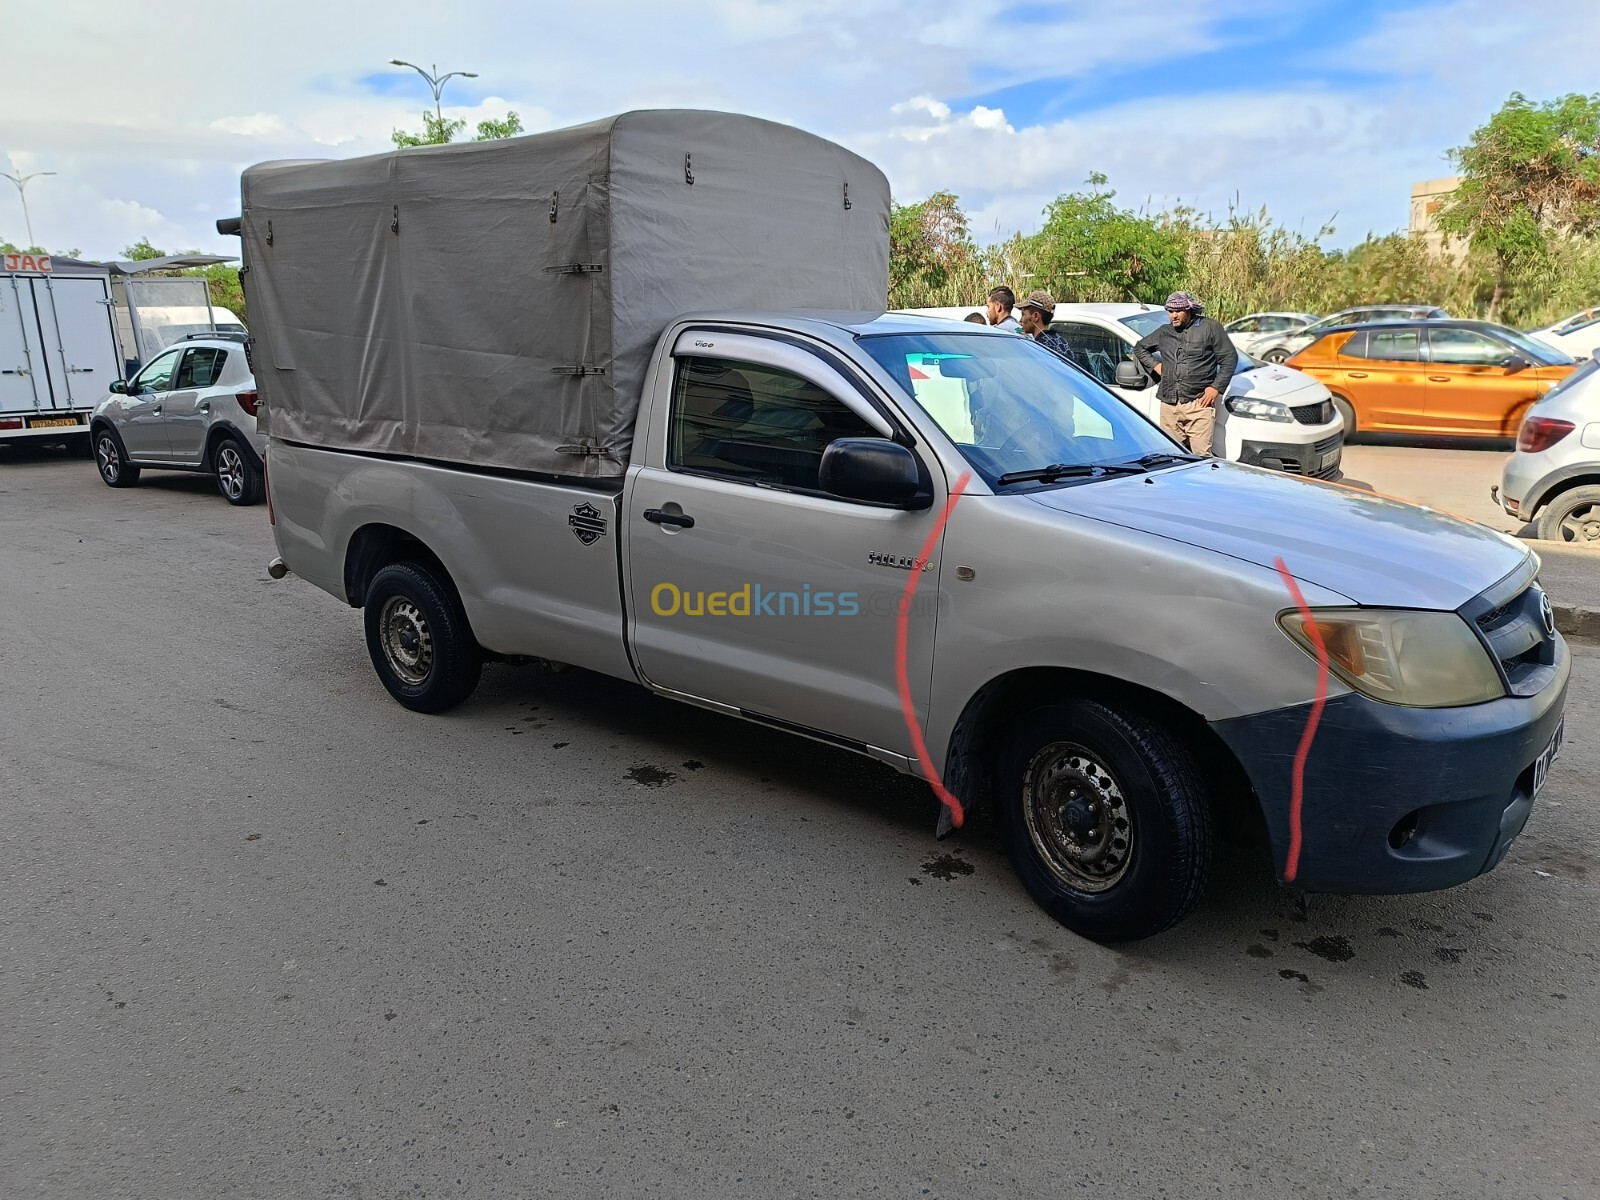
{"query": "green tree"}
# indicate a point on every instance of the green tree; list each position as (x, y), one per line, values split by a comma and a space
(1090, 249)
(1531, 174)
(438, 131)
(12, 248)
(930, 244)
(142, 251)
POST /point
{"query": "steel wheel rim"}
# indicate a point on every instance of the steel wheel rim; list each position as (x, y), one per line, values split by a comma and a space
(1077, 817)
(230, 472)
(1582, 524)
(407, 641)
(105, 452)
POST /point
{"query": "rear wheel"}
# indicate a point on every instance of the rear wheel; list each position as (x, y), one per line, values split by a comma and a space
(238, 477)
(1106, 819)
(112, 460)
(1276, 355)
(419, 640)
(1572, 517)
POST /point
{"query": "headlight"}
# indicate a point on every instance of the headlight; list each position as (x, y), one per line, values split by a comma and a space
(1420, 659)
(1261, 410)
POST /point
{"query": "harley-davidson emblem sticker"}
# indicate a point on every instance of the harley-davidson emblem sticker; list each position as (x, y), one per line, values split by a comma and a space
(588, 525)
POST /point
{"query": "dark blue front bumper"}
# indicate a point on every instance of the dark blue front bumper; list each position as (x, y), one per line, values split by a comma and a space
(1454, 786)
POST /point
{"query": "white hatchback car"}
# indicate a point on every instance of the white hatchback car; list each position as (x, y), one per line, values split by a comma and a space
(192, 408)
(1271, 416)
(1578, 335)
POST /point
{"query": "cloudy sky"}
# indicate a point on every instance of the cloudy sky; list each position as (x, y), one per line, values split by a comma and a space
(1318, 109)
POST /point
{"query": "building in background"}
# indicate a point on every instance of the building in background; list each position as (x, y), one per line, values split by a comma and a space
(1427, 198)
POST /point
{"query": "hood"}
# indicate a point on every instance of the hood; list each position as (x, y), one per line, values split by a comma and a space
(1374, 550)
(1272, 382)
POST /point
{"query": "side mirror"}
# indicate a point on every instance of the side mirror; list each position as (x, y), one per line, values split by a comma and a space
(871, 469)
(119, 387)
(1131, 375)
(1514, 363)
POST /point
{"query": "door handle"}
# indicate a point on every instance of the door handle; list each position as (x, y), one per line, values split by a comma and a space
(203, 406)
(156, 411)
(1438, 379)
(656, 517)
(1356, 374)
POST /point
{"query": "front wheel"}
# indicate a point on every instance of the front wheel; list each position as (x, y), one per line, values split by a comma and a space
(112, 460)
(1276, 355)
(238, 477)
(419, 640)
(1572, 517)
(1348, 412)
(1106, 819)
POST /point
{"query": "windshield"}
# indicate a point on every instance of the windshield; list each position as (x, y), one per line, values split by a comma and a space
(1009, 405)
(1148, 322)
(1536, 351)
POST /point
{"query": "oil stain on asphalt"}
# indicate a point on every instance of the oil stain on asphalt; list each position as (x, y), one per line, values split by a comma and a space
(947, 867)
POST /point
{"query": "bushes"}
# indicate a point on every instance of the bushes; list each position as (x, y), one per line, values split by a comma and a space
(1089, 249)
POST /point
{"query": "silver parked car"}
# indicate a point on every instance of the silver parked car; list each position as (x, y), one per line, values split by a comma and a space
(1258, 329)
(1553, 479)
(192, 408)
(1279, 347)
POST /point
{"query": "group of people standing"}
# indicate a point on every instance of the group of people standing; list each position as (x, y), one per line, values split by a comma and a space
(1191, 356)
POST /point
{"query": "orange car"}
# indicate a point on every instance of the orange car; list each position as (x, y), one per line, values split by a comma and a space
(1459, 378)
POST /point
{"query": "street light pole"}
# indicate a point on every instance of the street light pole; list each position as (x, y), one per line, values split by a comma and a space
(22, 185)
(436, 81)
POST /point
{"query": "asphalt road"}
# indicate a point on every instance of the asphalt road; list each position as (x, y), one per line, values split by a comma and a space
(267, 934)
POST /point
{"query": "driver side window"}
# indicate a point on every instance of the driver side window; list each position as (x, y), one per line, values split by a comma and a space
(157, 377)
(755, 424)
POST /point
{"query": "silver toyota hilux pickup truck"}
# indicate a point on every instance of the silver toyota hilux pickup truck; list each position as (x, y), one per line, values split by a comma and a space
(941, 547)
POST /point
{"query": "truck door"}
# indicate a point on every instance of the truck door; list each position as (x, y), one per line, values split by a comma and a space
(80, 341)
(24, 382)
(769, 595)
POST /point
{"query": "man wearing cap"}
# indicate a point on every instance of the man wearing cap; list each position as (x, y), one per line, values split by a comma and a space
(1036, 311)
(1196, 362)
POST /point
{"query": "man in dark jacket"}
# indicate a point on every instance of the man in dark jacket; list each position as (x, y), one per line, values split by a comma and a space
(1196, 361)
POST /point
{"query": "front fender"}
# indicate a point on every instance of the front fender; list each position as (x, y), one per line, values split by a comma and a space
(1195, 626)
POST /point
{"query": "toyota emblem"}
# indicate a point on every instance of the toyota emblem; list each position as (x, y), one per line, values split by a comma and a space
(1547, 615)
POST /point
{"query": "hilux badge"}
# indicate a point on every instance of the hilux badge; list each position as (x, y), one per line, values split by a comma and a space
(588, 525)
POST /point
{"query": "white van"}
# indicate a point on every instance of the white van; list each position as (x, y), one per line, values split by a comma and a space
(1272, 416)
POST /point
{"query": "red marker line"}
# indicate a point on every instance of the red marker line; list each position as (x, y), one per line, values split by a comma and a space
(1291, 866)
(929, 771)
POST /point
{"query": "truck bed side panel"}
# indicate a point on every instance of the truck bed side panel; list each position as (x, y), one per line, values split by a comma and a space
(535, 563)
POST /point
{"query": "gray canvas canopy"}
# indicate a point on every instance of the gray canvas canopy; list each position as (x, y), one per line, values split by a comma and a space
(496, 303)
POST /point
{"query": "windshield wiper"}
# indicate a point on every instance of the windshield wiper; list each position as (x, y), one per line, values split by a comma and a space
(1165, 456)
(1070, 471)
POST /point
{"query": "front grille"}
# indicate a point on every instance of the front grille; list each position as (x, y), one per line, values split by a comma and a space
(1314, 414)
(1494, 617)
(1515, 633)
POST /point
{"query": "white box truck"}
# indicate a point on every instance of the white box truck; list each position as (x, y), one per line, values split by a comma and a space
(58, 348)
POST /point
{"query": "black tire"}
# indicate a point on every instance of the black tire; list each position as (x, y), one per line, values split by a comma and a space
(1348, 412)
(111, 459)
(1276, 355)
(419, 640)
(1572, 517)
(1094, 772)
(238, 478)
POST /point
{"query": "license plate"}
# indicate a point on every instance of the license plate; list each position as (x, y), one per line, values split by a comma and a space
(1329, 461)
(51, 422)
(1541, 765)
